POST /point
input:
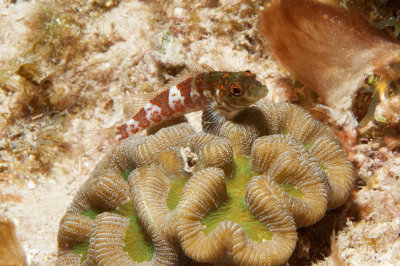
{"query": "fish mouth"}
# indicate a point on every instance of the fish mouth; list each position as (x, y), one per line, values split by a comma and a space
(262, 92)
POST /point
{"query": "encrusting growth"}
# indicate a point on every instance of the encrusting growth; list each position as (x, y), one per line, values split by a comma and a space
(233, 197)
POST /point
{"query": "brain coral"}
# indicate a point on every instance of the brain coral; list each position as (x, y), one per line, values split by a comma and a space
(235, 197)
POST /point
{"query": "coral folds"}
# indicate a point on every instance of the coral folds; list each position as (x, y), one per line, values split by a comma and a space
(236, 197)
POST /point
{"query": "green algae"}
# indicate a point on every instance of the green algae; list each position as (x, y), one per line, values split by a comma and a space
(81, 248)
(91, 213)
(137, 242)
(292, 190)
(125, 174)
(126, 209)
(175, 193)
(324, 168)
(308, 145)
(234, 207)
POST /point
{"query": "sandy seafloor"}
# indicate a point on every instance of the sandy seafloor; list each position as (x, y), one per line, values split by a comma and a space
(135, 47)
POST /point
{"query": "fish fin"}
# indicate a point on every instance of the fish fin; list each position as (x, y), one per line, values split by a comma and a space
(223, 65)
(197, 68)
(212, 120)
(134, 102)
(194, 119)
(100, 141)
(192, 69)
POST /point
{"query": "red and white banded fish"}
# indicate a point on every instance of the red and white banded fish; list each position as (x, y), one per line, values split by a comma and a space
(221, 93)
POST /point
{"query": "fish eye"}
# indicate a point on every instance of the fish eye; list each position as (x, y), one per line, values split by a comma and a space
(236, 90)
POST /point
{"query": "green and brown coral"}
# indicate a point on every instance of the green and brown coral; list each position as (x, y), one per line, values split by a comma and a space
(236, 197)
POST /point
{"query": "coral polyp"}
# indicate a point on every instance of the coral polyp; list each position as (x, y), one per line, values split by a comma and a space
(235, 197)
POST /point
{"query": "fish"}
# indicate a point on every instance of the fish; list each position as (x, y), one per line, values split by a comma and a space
(379, 92)
(220, 93)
